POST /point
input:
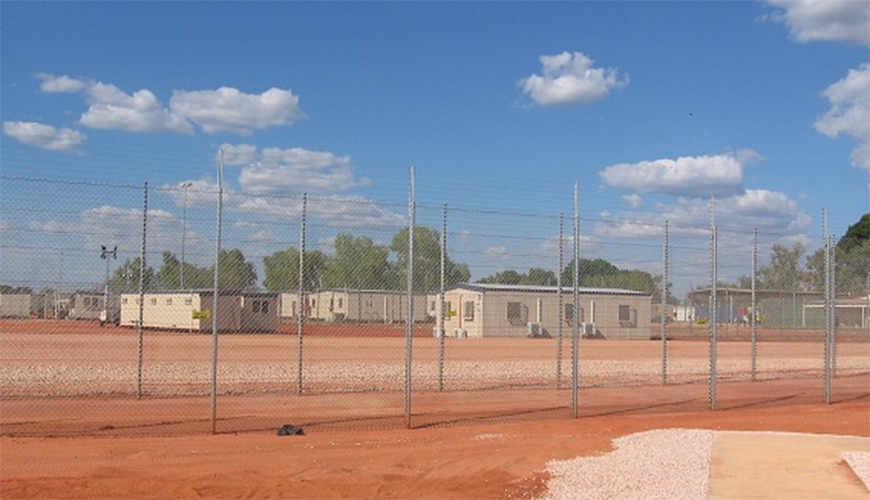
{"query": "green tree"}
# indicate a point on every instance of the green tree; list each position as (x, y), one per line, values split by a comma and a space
(856, 235)
(784, 271)
(427, 261)
(599, 273)
(235, 272)
(507, 277)
(536, 276)
(125, 278)
(282, 270)
(360, 263)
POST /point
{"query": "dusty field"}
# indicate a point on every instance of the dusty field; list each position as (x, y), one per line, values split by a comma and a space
(72, 427)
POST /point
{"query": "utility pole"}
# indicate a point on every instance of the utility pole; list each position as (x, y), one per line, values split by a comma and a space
(105, 253)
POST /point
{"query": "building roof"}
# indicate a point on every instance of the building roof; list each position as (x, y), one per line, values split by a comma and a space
(225, 293)
(497, 287)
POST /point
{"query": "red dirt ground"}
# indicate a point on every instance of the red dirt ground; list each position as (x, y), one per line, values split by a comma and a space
(355, 447)
(500, 460)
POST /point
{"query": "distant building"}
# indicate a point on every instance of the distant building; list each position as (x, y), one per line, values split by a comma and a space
(85, 306)
(364, 306)
(15, 305)
(492, 310)
(774, 308)
(193, 311)
(849, 312)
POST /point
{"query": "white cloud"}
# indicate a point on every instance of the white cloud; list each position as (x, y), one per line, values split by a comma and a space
(239, 154)
(65, 84)
(229, 110)
(570, 79)
(44, 136)
(634, 200)
(825, 20)
(110, 225)
(341, 211)
(294, 170)
(497, 252)
(850, 112)
(765, 210)
(111, 109)
(693, 176)
(223, 110)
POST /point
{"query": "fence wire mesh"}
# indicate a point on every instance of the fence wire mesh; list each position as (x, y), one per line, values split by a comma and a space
(108, 294)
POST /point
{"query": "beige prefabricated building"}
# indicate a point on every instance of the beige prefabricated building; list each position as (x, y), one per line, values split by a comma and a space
(493, 310)
(192, 311)
(367, 306)
(15, 305)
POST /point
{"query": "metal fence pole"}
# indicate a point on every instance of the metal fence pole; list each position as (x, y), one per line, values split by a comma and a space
(575, 327)
(216, 294)
(665, 307)
(833, 273)
(561, 315)
(828, 320)
(753, 308)
(139, 337)
(300, 310)
(441, 296)
(714, 306)
(409, 326)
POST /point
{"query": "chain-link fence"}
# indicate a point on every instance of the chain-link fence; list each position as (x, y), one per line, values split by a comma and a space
(111, 295)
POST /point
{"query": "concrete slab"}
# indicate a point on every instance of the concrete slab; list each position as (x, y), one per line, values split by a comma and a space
(762, 465)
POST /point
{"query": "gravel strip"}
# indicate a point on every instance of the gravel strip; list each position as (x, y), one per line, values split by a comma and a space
(70, 379)
(667, 464)
(859, 461)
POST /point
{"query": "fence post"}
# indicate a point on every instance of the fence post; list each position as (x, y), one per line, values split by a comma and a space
(300, 298)
(753, 311)
(664, 314)
(561, 315)
(216, 293)
(141, 291)
(410, 325)
(714, 305)
(575, 327)
(834, 325)
(441, 296)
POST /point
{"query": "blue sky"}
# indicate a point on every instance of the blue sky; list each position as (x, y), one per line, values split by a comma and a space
(650, 107)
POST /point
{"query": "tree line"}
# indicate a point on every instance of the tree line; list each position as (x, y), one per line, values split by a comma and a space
(791, 269)
(361, 263)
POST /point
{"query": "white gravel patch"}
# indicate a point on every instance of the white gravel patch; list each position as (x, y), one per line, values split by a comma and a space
(666, 464)
(859, 461)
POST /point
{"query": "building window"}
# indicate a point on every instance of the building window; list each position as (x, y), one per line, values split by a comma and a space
(188, 301)
(569, 314)
(169, 301)
(340, 303)
(468, 313)
(517, 313)
(154, 301)
(626, 318)
(124, 300)
(255, 306)
(264, 307)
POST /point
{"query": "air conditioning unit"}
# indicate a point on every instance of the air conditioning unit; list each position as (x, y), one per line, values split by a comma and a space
(587, 330)
(534, 330)
(460, 333)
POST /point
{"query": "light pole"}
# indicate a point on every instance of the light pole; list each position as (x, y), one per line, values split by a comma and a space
(183, 229)
(105, 253)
